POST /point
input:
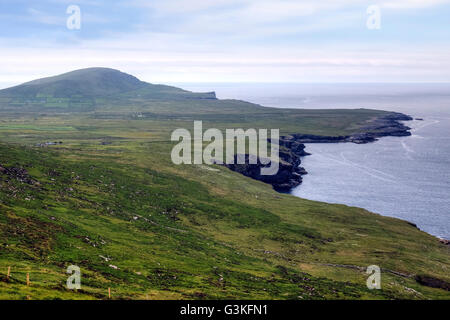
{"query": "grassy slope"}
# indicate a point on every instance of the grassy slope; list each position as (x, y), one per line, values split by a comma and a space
(186, 231)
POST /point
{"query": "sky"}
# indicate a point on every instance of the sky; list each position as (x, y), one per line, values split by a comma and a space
(173, 41)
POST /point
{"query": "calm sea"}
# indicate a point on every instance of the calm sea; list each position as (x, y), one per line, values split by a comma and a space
(406, 177)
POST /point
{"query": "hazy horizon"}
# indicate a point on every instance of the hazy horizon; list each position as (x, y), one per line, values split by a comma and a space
(5, 85)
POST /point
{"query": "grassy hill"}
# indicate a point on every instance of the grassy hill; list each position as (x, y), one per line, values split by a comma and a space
(82, 90)
(90, 82)
(109, 200)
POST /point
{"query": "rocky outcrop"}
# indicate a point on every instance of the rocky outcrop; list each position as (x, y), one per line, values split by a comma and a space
(289, 174)
(433, 282)
(19, 174)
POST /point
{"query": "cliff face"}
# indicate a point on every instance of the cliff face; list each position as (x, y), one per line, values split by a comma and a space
(289, 174)
(292, 148)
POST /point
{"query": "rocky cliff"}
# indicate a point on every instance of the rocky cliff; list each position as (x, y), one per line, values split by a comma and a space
(292, 148)
(289, 173)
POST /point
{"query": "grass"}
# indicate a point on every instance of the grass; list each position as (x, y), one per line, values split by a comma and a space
(148, 229)
(174, 232)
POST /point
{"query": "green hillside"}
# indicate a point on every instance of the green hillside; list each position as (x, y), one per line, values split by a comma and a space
(82, 90)
(109, 200)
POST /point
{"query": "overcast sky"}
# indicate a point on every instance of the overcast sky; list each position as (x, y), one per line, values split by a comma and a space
(168, 41)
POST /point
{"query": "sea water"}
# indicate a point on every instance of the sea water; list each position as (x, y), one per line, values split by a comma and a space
(402, 177)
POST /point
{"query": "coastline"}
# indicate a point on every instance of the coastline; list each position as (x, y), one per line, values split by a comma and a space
(292, 149)
(387, 125)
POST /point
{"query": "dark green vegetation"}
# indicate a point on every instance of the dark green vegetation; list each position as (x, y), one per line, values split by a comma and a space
(109, 200)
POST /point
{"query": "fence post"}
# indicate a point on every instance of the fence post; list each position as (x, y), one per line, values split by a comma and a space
(28, 279)
(8, 274)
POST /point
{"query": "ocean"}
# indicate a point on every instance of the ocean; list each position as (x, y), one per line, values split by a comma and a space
(402, 177)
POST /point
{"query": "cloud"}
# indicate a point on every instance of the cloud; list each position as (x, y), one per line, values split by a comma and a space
(246, 17)
(269, 9)
(412, 4)
(286, 64)
(228, 40)
(42, 17)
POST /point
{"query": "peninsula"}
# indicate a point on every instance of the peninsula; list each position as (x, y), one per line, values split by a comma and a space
(108, 199)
